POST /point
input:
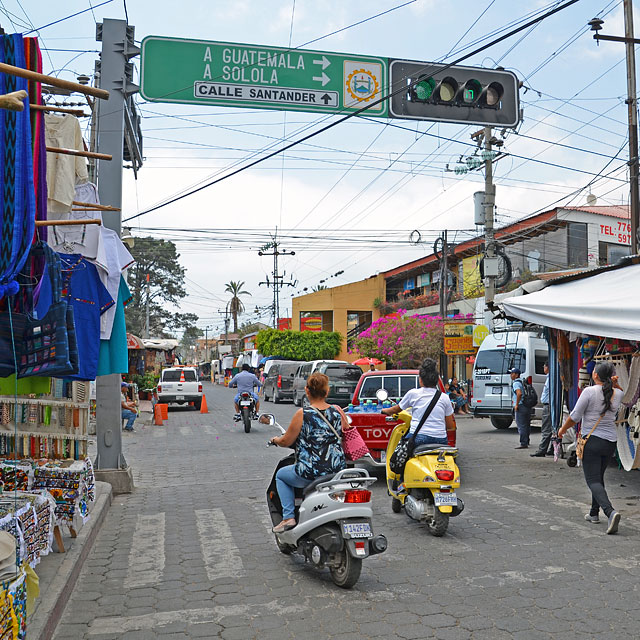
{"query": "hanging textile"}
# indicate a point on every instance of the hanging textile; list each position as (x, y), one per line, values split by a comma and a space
(114, 354)
(17, 195)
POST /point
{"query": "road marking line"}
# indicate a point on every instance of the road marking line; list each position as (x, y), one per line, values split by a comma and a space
(531, 513)
(159, 433)
(118, 625)
(186, 431)
(209, 430)
(146, 558)
(221, 556)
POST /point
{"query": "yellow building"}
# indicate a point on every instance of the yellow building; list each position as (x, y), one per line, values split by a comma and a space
(348, 309)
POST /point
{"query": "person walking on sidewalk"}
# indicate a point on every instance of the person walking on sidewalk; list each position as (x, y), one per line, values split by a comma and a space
(547, 431)
(521, 412)
(597, 407)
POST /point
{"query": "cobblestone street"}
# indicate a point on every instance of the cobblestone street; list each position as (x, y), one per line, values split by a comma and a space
(189, 554)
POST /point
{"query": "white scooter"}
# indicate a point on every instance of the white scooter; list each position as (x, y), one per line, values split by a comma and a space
(334, 520)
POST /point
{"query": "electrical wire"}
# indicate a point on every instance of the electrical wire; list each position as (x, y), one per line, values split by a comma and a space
(73, 15)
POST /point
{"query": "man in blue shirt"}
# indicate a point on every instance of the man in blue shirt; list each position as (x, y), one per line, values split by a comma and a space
(245, 381)
(547, 433)
(522, 413)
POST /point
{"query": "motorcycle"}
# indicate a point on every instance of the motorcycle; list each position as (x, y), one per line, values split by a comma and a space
(333, 516)
(427, 487)
(247, 410)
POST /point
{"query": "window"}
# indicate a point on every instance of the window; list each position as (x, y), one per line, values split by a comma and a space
(499, 361)
(346, 374)
(407, 383)
(577, 243)
(369, 387)
(174, 375)
(541, 358)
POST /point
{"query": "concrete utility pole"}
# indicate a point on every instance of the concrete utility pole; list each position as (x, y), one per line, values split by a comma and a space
(491, 261)
(206, 344)
(441, 247)
(113, 73)
(146, 323)
(278, 279)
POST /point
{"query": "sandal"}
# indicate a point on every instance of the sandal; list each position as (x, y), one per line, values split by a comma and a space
(285, 525)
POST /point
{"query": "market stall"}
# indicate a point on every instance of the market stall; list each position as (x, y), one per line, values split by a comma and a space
(590, 317)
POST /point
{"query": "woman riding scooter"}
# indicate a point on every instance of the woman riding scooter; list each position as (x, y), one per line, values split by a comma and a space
(318, 446)
(434, 430)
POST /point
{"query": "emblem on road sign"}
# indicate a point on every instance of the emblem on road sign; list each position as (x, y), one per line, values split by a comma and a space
(362, 84)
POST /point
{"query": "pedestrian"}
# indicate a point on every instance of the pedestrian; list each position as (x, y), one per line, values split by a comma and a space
(596, 408)
(372, 367)
(129, 412)
(458, 396)
(547, 431)
(521, 413)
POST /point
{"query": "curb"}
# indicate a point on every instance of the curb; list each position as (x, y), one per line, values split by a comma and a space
(53, 601)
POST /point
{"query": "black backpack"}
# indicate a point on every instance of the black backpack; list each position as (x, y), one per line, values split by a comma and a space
(529, 395)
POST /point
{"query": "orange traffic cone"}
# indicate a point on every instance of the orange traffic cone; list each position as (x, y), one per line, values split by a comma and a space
(157, 415)
(203, 406)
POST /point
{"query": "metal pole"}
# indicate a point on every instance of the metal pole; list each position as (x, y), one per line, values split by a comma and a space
(489, 202)
(146, 326)
(633, 123)
(443, 298)
(206, 344)
(110, 136)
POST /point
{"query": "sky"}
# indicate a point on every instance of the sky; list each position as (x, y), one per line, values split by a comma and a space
(347, 200)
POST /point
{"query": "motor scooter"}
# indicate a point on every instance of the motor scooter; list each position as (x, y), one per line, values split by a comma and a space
(333, 516)
(427, 487)
(247, 410)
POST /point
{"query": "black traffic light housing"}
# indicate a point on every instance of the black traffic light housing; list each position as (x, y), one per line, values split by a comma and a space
(468, 95)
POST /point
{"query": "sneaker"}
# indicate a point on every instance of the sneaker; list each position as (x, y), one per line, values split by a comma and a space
(614, 519)
(237, 417)
(592, 519)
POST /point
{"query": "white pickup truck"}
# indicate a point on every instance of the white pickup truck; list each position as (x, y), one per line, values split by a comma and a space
(180, 385)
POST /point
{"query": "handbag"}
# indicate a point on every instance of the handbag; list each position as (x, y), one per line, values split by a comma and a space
(353, 445)
(580, 441)
(404, 449)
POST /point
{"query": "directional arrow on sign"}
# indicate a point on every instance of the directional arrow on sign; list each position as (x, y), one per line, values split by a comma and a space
(324, 78)
(324, 62)
(326, 98)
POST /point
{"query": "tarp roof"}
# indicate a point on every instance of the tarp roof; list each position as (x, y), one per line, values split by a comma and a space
(601, 303)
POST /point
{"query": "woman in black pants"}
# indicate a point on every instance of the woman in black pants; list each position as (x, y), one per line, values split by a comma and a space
(597, 406)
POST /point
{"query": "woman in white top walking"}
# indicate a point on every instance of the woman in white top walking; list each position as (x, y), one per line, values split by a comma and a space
(599, 402)
(434, 429)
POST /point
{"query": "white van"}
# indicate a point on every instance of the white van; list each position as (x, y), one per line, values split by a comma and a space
(526, 350)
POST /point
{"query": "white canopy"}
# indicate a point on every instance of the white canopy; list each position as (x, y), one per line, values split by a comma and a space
(605, 304)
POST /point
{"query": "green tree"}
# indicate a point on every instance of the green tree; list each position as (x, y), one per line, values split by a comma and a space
(160, 260)
(299, 345)
(403, 341)
(235, 304)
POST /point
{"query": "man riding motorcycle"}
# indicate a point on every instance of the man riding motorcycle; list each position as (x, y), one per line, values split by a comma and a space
(245, 381)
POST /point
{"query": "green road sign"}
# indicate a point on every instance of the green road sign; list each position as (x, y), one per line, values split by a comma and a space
(259, 77)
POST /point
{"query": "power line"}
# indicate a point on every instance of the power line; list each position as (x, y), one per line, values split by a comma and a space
(73, 15)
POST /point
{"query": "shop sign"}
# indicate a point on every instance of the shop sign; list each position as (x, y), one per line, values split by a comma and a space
(458, 339)
(480, 332)
(284, 324)
(313, 323)
(618, 231)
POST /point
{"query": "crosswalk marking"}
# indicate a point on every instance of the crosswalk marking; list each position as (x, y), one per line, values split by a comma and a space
(146, 558)
(159, 433)
(261, 510)
(186, 431)
(221, 555)
(209, 430)
(531, 513)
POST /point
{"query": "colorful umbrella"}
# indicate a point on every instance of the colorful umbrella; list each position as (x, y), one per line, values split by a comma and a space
(366, 361)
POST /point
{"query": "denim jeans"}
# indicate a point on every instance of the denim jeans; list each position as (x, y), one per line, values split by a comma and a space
(597, 453)
(425, 439)
(523, 422)
(130, 417)
(287, 480)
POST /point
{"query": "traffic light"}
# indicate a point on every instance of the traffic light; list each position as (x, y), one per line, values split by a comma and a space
(468, 95)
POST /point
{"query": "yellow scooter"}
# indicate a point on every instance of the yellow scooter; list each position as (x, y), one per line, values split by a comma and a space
(427, 487)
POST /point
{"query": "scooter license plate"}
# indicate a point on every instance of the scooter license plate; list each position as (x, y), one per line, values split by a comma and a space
(357, 529)
(245, 403)
(383, 456)
(179, 397)
(445, 499)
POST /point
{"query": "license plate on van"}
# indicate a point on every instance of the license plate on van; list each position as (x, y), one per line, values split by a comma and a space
(497, 391)
(343, 389)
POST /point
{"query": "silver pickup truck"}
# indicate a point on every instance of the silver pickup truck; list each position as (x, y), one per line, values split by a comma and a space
(180, 385)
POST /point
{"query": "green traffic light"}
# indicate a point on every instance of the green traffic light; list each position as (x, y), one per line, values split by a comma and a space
(471, 92)
(423, 89)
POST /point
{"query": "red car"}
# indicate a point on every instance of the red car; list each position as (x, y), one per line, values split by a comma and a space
(376, 428)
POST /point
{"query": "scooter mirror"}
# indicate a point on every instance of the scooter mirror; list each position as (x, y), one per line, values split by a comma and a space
(267, 418)
(382, 395)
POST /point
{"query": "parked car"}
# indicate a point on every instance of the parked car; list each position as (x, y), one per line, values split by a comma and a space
(499, 352)
(278, 384)
(180, 385)
(396, 382)
(343, 378)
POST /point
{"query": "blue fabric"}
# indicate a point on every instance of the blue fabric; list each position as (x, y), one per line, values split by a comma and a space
(517, 384)
(130, 417)
(253, 394)
(427, 439)
(17, 194)
(287, 480)
(114, 355)
(318, 449)
(544, 398)
(245, 381)
(89, 298)
(523, 422)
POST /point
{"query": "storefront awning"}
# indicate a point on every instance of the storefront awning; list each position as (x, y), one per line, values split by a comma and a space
(603, 304)
(133, 342)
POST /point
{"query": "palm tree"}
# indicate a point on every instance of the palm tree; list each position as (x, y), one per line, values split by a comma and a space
(235, 304)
